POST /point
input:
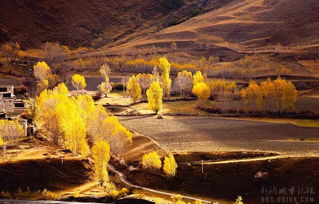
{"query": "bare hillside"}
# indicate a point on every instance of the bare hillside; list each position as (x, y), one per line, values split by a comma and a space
(92, 23)
(247, 24)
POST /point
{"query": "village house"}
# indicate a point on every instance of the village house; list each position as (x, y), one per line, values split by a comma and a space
(10, 105)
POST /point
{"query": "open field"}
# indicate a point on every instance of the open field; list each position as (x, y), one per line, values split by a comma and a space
(220, 134)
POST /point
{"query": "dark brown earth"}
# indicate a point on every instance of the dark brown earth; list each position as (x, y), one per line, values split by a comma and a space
(48, 174)
(227, 181)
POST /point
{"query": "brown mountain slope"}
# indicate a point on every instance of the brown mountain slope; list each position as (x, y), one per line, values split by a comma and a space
(91, 22)
(246, 23)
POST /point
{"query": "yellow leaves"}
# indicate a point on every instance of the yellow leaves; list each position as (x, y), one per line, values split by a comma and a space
(272, 96)
(201, 90)
(222, 86)
(73, 127)
(166, 82)
(61, 89)
(60, 119)
(151, 160)
(78, 81)
(9, 130)
(42, 70)
(185, 73)
(170, 165)
(154, 97)
(198, 78)
(134, 89)
(43, 84)
(239, 200)
(252, 96)
(101, 156)
(164, 65)
(1, 140)
(105, 87)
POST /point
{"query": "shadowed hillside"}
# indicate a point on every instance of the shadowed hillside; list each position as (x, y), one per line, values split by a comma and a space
(91, 23)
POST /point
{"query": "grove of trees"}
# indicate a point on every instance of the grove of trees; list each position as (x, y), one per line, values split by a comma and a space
(270, 96)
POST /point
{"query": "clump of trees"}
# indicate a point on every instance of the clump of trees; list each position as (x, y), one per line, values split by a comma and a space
(183, 83)
(154, 97)
(134, 89)
(105, 87)
(78, 81)
(145, 81)
(198, 78)
(270, 96)
(152, 160)
(166, 81)
(101, 157)
(170, 165)
(224, 92)
(9, 130)
(202, 91)
(45, 78)
(76, 123)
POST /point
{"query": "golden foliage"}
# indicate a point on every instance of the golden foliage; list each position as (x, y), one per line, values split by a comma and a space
(59, 118)
(202, 91)
(154, 97)
(101, 156)
(170, 165)
(151, 160)
(1, 140)
(198, 78)
(10, 129)
(42, 70)
(78, 81)
(252, 97)
(273, 96)
(133, 88)
(105, 87)
(166, 81)
(239, 200)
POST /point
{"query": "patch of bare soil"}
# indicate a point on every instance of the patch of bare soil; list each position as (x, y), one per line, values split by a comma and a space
(51, 174)
(228, 180)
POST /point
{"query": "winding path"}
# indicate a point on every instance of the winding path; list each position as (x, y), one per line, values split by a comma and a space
(124, 180)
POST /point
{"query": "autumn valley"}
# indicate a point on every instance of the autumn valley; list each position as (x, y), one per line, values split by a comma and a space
(164, 102)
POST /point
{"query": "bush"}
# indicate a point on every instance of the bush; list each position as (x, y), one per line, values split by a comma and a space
(152, 160)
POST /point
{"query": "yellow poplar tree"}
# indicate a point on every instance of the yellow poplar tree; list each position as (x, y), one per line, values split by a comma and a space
(73, 128)
(166, 81)
(78, 81)
(253, 97)
(202, 91)
(134, 89)
(120, 139)
(1, 140)
(170, 165)
(101, 156)
(41, 70)
(198, 78)
(151, 160)
(154, 97)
